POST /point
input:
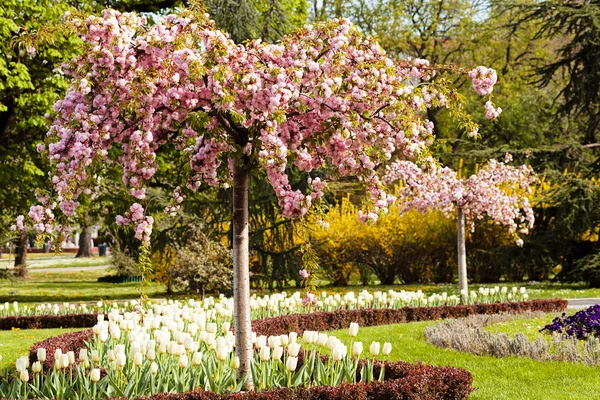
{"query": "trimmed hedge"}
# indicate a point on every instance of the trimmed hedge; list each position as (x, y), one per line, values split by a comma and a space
(324, 321)
(48, 321)
(402, 381)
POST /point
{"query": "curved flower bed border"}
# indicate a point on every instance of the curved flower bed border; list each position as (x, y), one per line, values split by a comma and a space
(48, 321)
(402, 380)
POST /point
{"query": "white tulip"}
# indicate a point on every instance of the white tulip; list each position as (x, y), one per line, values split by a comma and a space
(387, 349)
(322, 339)
(95, 375)
(153, 368)
(374, 349)
(353, 330)
(41, 354)
(24, 375)
(339, 352)
(291, 364)
(197, 358)
(357, 349)
(265, 353)
(294, 349)
(183, 361)
(293, 336)
(277, 353)
(36, 367)
(138, 359)
(235, 363)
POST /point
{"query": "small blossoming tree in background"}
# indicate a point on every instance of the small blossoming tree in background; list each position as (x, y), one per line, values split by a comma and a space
(497, 190)
(325, 96)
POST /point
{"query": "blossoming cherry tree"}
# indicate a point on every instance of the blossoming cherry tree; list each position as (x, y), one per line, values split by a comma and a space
(498, 190)
(325, 96)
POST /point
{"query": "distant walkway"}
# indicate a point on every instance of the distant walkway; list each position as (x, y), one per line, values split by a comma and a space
(582, 303)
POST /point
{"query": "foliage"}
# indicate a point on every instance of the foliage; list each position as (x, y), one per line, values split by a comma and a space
(202, 266)
(123, 263)
(581, 325)
(412, 247)
(578, 56)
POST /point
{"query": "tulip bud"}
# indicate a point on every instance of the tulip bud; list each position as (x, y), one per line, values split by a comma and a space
(374, 349)
(36, 367)
(71, 355)
(357, 349)
(265, 353)
(339, 352)
(277, 353)
(95, 374)
(291, 364)
(111, 355)
(95, 356)
(83, 354)
(293, 336)
(353, 330)
(197, 358)
(64, 360)
(387, 349)
(322, 339)
(121, 360)
(235, 364)
(41, 354)
(153, 368)
(225, 327)
(294, 349)
(138, 359)
(24, 375)
(183, 361)
(151, 354)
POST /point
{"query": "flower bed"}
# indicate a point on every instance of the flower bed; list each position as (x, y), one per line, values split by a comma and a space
(282, 303)
(326, 321)
(372, 317)
(186, 345)
(581, 325)
(469, 335)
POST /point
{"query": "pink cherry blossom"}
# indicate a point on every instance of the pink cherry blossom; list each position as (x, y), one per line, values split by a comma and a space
(497, 190)
(325, 96)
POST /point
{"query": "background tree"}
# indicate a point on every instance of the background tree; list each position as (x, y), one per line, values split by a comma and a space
(497, 190)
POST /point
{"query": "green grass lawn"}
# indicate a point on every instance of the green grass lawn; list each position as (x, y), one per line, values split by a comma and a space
(16, 343)
(529, 327)
(494, 378)
(53, 287)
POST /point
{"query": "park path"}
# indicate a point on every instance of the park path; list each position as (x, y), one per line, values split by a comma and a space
(582, 303)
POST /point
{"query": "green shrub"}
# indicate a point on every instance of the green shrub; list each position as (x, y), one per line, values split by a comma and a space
(202, 266)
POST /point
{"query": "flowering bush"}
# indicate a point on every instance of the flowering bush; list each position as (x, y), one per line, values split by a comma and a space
(581, 325)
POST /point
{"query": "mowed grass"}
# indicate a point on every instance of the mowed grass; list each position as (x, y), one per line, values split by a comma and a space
(494, 378)
(530, 327)
(16, 343)
(53, 287)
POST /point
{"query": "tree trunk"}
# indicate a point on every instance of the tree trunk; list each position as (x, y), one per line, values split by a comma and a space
(462, 257)
(21, 256)
(241, 274)
(85, 242)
